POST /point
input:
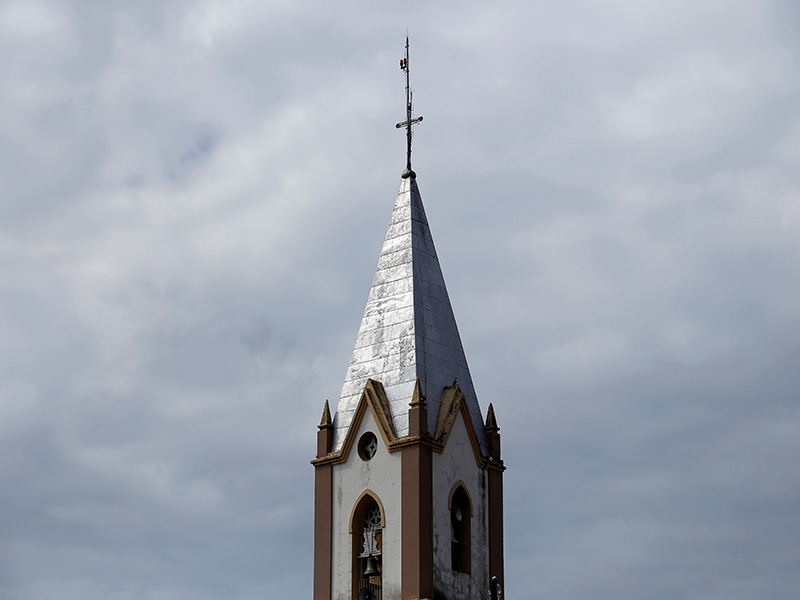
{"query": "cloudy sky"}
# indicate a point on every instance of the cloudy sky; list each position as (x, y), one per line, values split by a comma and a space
(193, 196)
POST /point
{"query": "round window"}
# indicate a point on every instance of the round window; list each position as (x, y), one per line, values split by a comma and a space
(367, 446)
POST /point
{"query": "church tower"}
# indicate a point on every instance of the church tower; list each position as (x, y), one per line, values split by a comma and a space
(408, 501)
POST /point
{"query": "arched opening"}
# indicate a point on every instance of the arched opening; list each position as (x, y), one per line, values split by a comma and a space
(366, 526)
(461, 529)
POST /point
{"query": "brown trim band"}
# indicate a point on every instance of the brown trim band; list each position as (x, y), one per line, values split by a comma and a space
(417, 522)
(323, 531)
(496, 525)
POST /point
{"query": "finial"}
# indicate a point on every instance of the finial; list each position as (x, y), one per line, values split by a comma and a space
(417, 398)
(409, 120)
(326, 420)
(491, 420)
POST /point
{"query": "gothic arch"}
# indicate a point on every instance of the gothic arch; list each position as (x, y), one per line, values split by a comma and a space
(460, 506)
(456, 485)
(360, 505)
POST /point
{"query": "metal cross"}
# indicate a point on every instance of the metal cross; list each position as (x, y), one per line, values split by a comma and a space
(409, 120)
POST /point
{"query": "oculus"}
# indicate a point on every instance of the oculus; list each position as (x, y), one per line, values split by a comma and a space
(367, 446)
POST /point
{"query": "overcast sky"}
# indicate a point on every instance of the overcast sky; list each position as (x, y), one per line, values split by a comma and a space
(193, 197)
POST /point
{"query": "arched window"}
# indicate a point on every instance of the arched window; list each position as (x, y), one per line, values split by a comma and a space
(367, 529)
(460, 526)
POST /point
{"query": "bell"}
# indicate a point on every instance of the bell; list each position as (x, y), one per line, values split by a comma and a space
(372, 567)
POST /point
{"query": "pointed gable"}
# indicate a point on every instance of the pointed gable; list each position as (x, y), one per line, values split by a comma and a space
(408, 330)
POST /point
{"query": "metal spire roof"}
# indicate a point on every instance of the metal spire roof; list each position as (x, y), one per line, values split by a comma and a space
(408, 329)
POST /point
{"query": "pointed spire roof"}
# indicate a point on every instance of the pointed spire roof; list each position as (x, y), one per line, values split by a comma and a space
(408, 335)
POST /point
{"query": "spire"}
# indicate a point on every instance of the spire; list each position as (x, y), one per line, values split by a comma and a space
(408, 336)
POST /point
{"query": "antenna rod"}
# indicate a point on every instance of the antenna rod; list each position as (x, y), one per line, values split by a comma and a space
(408, 109)
(409, 112)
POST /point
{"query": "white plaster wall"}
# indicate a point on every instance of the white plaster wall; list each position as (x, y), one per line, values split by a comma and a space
(457, 463)
(381, 474)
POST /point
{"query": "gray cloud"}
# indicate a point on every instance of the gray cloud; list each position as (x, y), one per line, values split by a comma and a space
(192, 201)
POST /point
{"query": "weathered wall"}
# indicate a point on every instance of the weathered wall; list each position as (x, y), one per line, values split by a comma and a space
(381, 474)
(457, 463)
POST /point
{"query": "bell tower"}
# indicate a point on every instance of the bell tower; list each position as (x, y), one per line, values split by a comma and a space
(408, 500)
